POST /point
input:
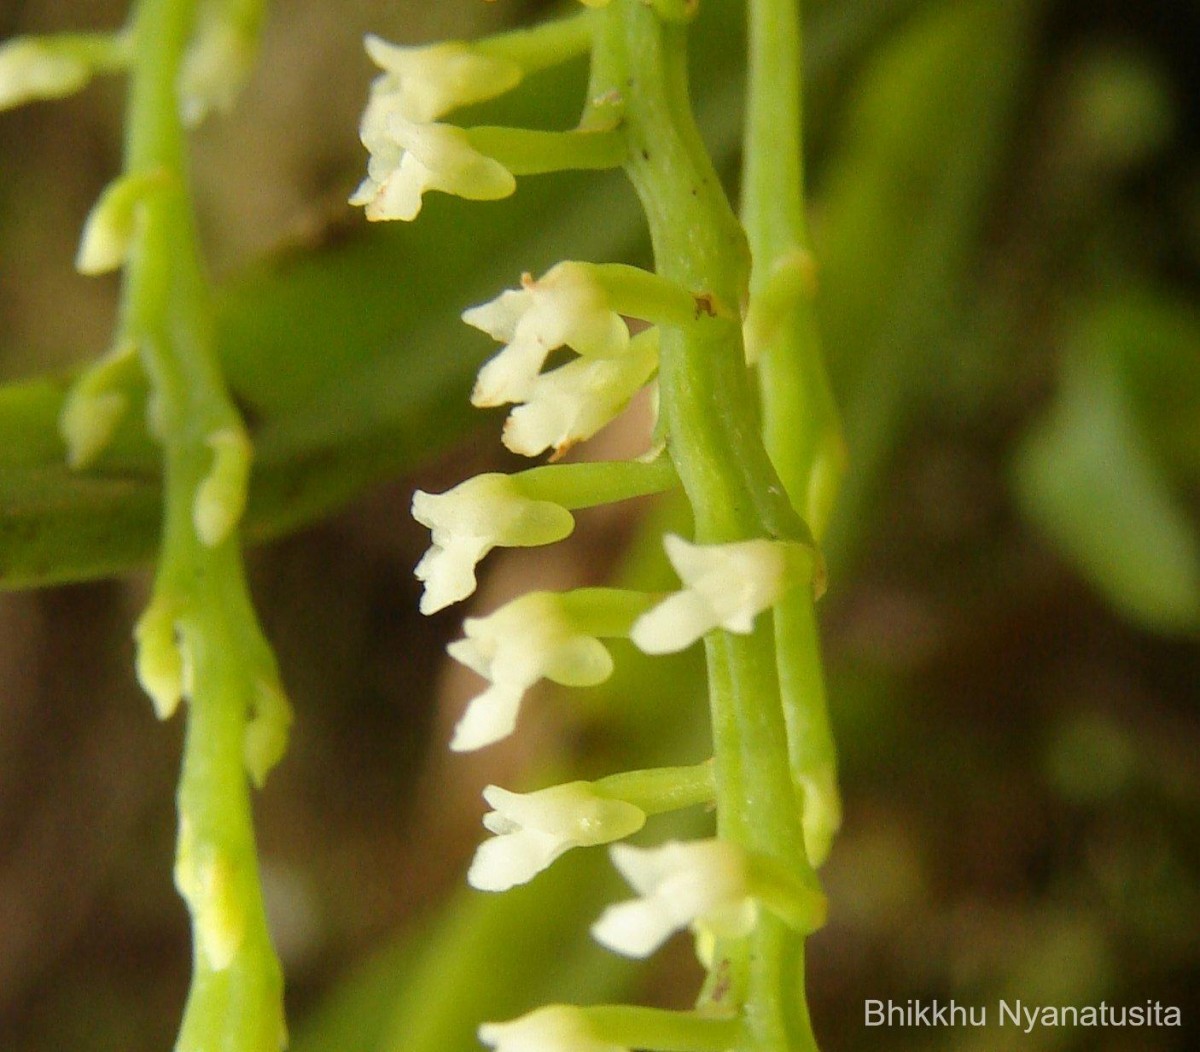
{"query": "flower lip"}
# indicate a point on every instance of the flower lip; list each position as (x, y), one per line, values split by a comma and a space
(702, 884)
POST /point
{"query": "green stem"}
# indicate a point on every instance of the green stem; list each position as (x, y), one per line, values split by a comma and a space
(588, 484)
(800, 422)
(527, 152)
(236, 996)
(712, 428)
(661, 789)
(543, 45)
(657, 1030)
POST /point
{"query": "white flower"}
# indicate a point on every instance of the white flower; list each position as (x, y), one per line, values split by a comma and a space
(555, 1028)
(215, 67)
(409, 158)
(702, 883)
(425, 83)
(31, 69)
(529, 639)
(533, 829)
(727, 586)
(571, 403)
(470, 520)
(565, 307)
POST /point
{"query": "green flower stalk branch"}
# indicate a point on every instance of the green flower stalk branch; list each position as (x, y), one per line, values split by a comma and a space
(199, 638)
(801, 426)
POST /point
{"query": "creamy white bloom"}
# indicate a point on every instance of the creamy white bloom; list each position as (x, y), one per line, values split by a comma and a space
(215, 67)
(408, 159)
(33, 69)
(566, 307)
(533, 829)
(700, 883)
(409, 153)
(555, 1028)
(529, 639)
(727, 586)
(425, 83)
(468, 521)
(571, 403)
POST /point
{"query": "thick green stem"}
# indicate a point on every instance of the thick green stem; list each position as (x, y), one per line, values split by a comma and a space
(226, 669)
(713, 435)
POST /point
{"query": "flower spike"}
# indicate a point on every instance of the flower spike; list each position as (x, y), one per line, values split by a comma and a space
(701, 883)
(531, 638)
(533, 829)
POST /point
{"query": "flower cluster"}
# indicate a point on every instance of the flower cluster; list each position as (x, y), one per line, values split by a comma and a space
(569, 306)
(410, 152)
(609, 321)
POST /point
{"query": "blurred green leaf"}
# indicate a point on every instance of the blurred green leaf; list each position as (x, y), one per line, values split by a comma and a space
(899, 215)
(1088, 476)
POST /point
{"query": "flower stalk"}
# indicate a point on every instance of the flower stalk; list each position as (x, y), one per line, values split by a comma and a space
(199, 638)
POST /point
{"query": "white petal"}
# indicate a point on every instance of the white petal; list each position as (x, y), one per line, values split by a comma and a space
(636, 928)
(674, 624)
(555, 1028)
(449, 573)
(502, 862)
(490, 717)
(499, 317)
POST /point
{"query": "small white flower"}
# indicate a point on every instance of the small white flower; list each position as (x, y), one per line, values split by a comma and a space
(470, 520)
(409, 159)
(32, 69)
(216, 66)
(533, 829)
(529, 639)
(727, 586)
(566, 307)
(425, 83)
(571, 403)
(555, 1028)
(701, 884)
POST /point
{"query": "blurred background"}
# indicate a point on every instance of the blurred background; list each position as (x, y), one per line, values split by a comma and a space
(1006, 204)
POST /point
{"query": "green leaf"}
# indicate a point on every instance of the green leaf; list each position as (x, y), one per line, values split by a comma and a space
(1088, 477)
